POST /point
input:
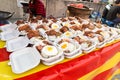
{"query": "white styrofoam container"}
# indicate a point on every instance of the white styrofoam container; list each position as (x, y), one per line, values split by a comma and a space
(74, 53)
(89, 49)
(24, 60)
(54, 59)
(8, 27)
(17, 43)
(7, 35)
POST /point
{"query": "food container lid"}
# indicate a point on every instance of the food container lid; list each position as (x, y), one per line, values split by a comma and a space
(24, 60)
(17, 43)
(7, 35)
(8, 27)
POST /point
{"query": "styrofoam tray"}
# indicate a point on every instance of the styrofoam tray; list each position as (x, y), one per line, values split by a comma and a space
(52, 59)
(89, 49)
(17, 43)
(24, 60)
(7, 35)
(60, 58)
(74, 53)
(8, 27)
(101, 44)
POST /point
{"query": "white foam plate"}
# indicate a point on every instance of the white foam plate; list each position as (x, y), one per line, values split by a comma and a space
(17, 43)
(8, 27)
(7, 35)
(24, 60)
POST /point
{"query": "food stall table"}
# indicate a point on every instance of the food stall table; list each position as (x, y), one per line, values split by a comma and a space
(101, 64)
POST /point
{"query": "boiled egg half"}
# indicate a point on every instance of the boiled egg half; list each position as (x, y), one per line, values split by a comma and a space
(49, 51)
(67, 46)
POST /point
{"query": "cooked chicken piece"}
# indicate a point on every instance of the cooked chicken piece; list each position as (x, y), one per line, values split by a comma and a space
(45, 20)
(24, 28)
(98, 32)
(47, 43)
(63, 19)
(53, 32)
(89, 34)
(64, 29)
(33, 33)
(42, 26)
(39, 48)
(72, 22)
(76, 28)
(101, 38)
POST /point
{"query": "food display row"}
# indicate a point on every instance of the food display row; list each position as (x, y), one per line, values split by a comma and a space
(49, 41)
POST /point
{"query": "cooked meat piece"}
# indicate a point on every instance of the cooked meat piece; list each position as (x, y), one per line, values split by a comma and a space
(51, 17)
(53, 32)
(98, 25)
(47, 43)
(79, 40)
(63, 19)
(98, 32)
(67, 51)
(91, 27)
(89, 43)
(20, 22)
(42, 26)
(34, 20)
(45, 21)
(72, 22)
(89, 34)
(33, 33)
(76, 27)
(100, 38)
(54, 20)
(64, 29)
(39, 48)
(63, 40)
(24, 27)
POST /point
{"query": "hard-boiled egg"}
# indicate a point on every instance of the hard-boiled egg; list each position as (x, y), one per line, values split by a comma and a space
(54, 26)
(67, 46)
(49, 51)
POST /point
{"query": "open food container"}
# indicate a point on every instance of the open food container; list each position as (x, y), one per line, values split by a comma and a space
(50, 54)
(17, 43)
(8, 27)
(69, 47)
(118, 36)
(53, 59)
(52, 35)
(111, 37)
(88, 48)
(24, 60)
(7, 35)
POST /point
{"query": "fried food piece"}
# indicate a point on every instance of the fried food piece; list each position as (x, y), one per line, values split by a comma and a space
(53, 32)
(100, 38)
(33, 33)
(24, 28)
(89, 34)
(64, 29)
